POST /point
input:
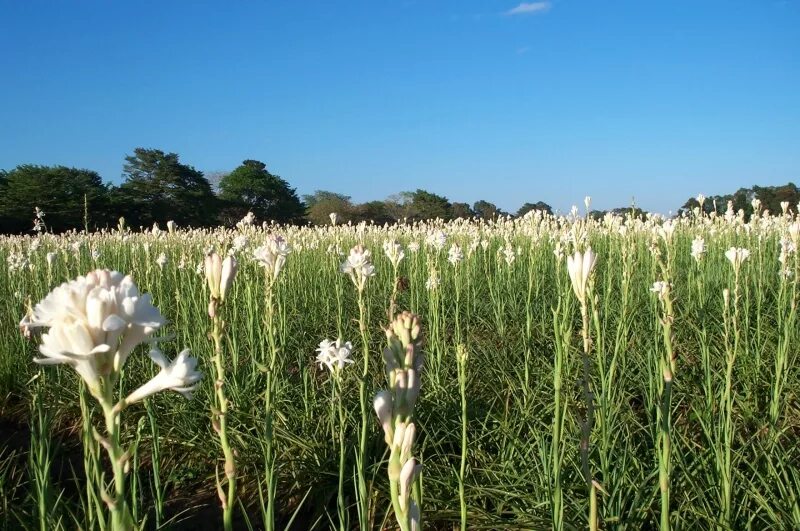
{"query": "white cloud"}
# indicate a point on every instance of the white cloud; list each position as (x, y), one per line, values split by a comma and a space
(527, 8)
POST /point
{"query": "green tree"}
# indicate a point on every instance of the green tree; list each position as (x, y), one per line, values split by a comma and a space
(321, 204)
(539, 205)
(486, 210)
(461, 210)
(427, 205)
(159, 188)
(375, 211)
(64, 194)
(250, 187)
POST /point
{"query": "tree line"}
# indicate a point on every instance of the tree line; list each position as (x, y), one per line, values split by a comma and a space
(157, 187)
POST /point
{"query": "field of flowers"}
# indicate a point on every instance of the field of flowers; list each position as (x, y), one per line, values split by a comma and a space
(553, 373)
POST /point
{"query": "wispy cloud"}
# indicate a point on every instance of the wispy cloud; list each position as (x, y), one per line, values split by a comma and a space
(528, 8)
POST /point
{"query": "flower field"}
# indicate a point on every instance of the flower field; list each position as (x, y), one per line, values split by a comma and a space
(553, 373)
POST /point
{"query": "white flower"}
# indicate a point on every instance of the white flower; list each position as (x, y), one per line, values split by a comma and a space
(359, 266)
(394, 252)
(272, 255)
(413, 247)
(180, 376)
(436, 240)
(433, 281)
(219, 274)
(95, 322)
(698, 248)
(580, 268)
(333, 216)
(737, 256)
(334, 355)
(660, 288)
(161, 260)
(51, 258)
(171, 226)
(455, 255)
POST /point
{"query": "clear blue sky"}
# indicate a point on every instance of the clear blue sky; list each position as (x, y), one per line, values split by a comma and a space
(490, 99)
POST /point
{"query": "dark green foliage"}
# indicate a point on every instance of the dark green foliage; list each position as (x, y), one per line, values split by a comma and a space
(462, 210)
(159, 188)
(251, 188)
(486, 210)
(321, 204)
(539, 205)
(427, 205)
(770, 197)
(65, 195)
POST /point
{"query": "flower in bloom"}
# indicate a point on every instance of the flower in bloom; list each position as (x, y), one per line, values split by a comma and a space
(737, 256)
(180, 376)
(433, 281)
(660, 288)
(334, 355)
(51, 258)
(455, 255)
(272, 255)
(698, 248)
(394, 252)
(161, 260)
(333, 216)
(95, 322)
(358, 265)
(580, 268)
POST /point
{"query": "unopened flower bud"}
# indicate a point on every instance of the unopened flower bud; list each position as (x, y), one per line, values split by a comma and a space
(383, 408)
(213, 270)
(228, 273)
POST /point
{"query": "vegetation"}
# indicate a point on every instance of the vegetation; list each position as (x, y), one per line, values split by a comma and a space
(619, 372)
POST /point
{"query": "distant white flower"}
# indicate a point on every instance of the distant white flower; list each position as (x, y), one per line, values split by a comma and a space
(660, 288)
(334, 355)
(737, 256)
(580, 268)
(272, 255)
(698, 248)
(161, 260)
(413, 247)
(359, 266)
(394, 252)
(436, 240)
(433, 282)
(455, 255)
(171, 226)
(51, 258)
(246, 222)
(701, 199)
(180, 376)
(333, 216)
(95, 322)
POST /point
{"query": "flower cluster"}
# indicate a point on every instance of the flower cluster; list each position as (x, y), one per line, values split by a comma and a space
(358, 265)
(272, 255)
(94, 322)
(335, 355)
(395, 408)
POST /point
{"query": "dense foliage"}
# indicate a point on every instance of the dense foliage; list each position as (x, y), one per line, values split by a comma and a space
(498, 293)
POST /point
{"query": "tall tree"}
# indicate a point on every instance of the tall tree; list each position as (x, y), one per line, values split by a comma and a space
(427, 205)
(375, 211)
(539, 205)
(322, 203)
(71, 198)
(158, 188)
(486, 210)
(250, 187)
(461, 210)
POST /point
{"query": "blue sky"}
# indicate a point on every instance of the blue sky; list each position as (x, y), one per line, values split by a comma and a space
(490, 99)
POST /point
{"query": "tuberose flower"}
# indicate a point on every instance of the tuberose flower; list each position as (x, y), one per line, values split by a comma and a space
(180, 376)
(334, 355)
(95, 322)
(580, 268)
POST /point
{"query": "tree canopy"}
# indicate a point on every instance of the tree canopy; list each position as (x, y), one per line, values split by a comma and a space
(250, 187)
(71, 198)
(158, 188)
